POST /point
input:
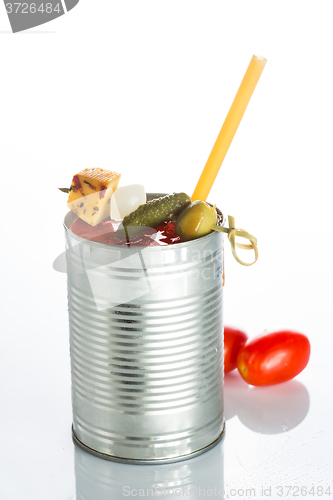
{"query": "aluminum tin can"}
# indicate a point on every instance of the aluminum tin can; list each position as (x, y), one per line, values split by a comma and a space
(146, 346)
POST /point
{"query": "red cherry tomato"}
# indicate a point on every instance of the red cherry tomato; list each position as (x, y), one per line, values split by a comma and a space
(274, 357)
(233, 341)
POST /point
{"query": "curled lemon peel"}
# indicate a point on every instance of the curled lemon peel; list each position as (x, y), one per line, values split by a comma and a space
(232, 233)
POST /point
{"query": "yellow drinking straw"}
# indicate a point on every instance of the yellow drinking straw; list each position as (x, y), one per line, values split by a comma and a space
(229, 128)
(220, 149)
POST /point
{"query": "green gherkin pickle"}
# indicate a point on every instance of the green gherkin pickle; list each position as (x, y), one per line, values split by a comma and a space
(156, 211)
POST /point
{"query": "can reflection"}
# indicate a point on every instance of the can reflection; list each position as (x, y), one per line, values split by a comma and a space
(98, 479)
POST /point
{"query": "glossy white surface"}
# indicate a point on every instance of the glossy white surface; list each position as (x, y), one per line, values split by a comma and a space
(143, 88)
(277, 436)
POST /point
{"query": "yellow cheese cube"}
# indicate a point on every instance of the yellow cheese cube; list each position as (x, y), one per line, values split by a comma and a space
(90, 194)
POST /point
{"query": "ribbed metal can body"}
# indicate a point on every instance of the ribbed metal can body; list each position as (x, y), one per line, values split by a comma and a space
(146, 345)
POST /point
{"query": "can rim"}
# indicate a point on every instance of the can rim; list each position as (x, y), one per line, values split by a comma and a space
(150, 196)
(157, 461)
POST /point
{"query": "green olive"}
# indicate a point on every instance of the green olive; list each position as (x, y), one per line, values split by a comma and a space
(195, 220)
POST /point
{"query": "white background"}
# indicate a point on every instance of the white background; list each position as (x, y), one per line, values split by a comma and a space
(142, 88)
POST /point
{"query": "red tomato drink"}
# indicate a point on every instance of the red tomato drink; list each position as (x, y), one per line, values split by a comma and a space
(106, 232)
